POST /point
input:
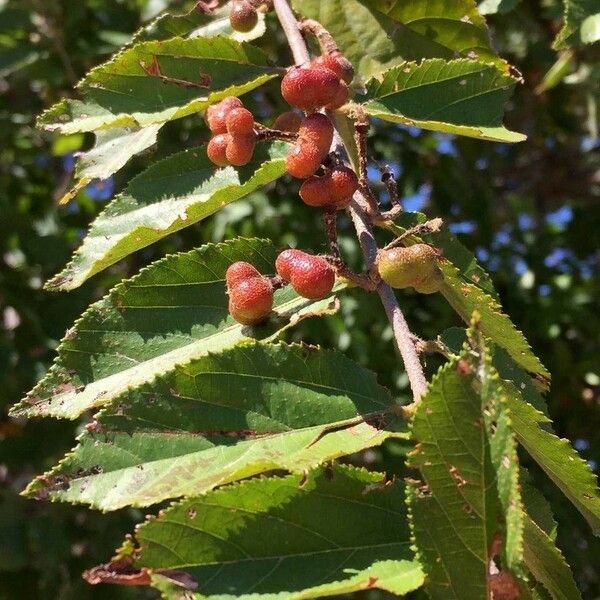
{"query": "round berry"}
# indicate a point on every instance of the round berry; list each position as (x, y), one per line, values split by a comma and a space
(309, 88)
(317, 129)
(240, 121)
(312, 276)
(240, 149)
(243, 16)
(285, 261)
(336, 62)
(303, 160)
(315, 192)
(288, 121)
(251, 300)
(415, 266)
(216, 114)
(343, 182)
(239, 271)
(341, 97)
(217, 149)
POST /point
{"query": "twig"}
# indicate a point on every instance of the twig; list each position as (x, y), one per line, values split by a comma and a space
(431, 226)
(326, 41)
(266, 133)
(361, 129)
(365, 235)
(389, 180)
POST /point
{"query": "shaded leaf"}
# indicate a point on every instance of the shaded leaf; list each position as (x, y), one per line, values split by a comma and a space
(462, 97)
(555, 456)
(547, 564)
(218, 419)
(172, 194)
(581, 24)
(286, 538)
(128, 91)
(171, 312)
(490, 7)
(378, 34)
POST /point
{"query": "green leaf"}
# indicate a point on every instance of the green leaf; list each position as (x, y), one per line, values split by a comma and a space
(218, 419)
(172, 194)
(127, 90)
(455, 509)
(547, 564)
(462, 97)
(286, 538)
(196, 23)
(555, 456)
(172, 311)
(378, 34)
(466, 288)
(581, 24)
(112, 150)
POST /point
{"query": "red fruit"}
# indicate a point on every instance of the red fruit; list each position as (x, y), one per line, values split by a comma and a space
(240, 149)
(341, 97)
(315, 191)
(336, 62)
(243, 16)
(303, 160)
(240, 121)
(288, 121)
(217, 149)
(251, 300)
(216, 114)
(343, 182)
(309, 88)
(285, 261)
(317, 129)
(239, 271)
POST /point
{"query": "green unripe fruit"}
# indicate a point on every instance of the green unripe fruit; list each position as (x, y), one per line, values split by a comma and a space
(415, 266)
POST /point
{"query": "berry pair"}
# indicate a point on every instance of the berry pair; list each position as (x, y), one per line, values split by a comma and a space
(415, 266)
(324, 84)
(334, 190)
(235, 138)
(250, 293)
(315, 135)
(311, 276)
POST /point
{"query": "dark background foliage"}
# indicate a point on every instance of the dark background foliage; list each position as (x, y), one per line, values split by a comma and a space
(529, 211)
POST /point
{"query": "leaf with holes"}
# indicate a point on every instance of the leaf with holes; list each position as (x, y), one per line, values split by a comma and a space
(284, 537)
(155, 82)
(172, 311)
(221, 418)
(172, 194)
(378, 34)
(462, 97)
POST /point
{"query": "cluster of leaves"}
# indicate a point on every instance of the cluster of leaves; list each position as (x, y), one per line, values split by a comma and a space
(272, 406)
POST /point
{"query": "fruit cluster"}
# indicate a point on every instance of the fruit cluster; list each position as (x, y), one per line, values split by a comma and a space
(251, 294)
(415, 266)
(234, 136)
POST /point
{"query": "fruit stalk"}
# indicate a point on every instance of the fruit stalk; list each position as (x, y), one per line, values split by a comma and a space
(364, 230)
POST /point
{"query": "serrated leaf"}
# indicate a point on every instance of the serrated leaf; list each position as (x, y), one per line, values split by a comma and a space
(378, 34)
(218, 419)
(286, 538)
(171, 312)
(128, 91)
(547, 564)
(196, 23)
(455, 509)
(556, 457)
(172, 194)
(462, 97)
(112, 150)
(581, 24)
(465, 288)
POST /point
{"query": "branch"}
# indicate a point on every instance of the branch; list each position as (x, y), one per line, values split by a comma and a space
(364, 231)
